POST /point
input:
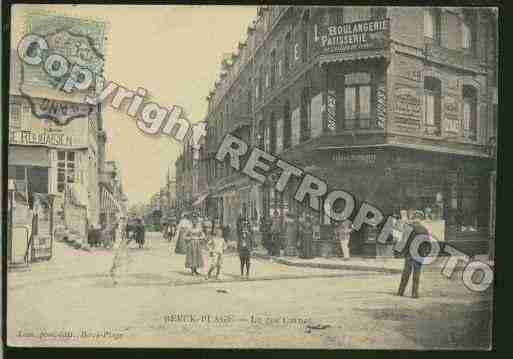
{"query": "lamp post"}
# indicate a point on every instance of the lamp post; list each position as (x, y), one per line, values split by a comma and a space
(11, 189)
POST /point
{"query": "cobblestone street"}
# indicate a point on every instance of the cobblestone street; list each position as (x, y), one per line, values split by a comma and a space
(157, 303)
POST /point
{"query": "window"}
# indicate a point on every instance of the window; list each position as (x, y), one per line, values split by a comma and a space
(357, 100)
(305, 114)
(287, 126)
(66, 169)
(378, 12)
(286, 46)
(336, 15)
(432, 102)
(357, 13)
(469, 112)
(15, 115)
(304, 37)
(261, 135)
(432, 25)
(273, 67)
(260, 82)
(250, 103)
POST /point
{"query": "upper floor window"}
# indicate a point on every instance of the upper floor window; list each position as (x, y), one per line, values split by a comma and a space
(357, 103)
(15, 115)
(469, 112)
(378, 12)
(432, 101)
(287, 125)
(432, 25)
(357, 13)
(273, 67)
(260, 82)
(287, 51)
(305, 114)
(468, 35)
(272, 125)
(304, 37)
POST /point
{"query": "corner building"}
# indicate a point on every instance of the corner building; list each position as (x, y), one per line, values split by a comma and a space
(395, 105)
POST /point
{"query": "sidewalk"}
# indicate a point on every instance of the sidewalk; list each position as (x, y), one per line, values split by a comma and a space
(383, 265)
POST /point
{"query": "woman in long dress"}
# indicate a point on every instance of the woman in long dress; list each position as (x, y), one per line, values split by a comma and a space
(194, 239)
(183, 227)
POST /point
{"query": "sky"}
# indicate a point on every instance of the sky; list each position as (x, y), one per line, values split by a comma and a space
(172, 51)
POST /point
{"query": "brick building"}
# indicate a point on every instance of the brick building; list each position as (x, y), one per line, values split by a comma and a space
(396, 105)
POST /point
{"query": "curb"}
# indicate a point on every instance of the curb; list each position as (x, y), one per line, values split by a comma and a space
(329, 266)
(76, 244)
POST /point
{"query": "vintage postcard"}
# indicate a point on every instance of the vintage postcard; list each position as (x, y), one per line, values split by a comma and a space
(314, 177)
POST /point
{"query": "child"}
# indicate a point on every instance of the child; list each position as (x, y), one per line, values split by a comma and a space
(216, 246)
(244, 247)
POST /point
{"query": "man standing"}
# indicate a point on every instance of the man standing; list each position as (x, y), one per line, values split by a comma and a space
(413, 263)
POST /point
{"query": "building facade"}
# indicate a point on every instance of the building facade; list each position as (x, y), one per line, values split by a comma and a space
(395, 105)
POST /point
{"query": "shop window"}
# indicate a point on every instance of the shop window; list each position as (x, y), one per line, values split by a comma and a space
(66, 169)
(432, 102)
(15, 115)
(432, 25)
(469, 112)
(287, 126)
(273, 68)
(305, 114)
(357, 102)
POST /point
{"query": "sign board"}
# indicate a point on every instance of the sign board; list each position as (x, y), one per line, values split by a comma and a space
(356, 36)
(407, 107)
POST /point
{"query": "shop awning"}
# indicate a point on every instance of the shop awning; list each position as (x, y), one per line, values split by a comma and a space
(28, 156)
(352, 56)
(200, 200)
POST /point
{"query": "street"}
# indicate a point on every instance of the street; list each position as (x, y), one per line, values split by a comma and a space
(71, 300)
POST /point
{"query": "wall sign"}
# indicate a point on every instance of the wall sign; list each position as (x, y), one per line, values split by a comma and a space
(45, 138)
(356, 36)
(407, 107)
(452, 122)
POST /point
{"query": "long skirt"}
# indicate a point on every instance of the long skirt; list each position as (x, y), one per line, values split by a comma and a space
(194, 257)
(180, 247)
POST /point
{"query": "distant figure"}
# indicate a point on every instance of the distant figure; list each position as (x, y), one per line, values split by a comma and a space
(140, 233)
(411, 263)
(194, 239)
(305, 237)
